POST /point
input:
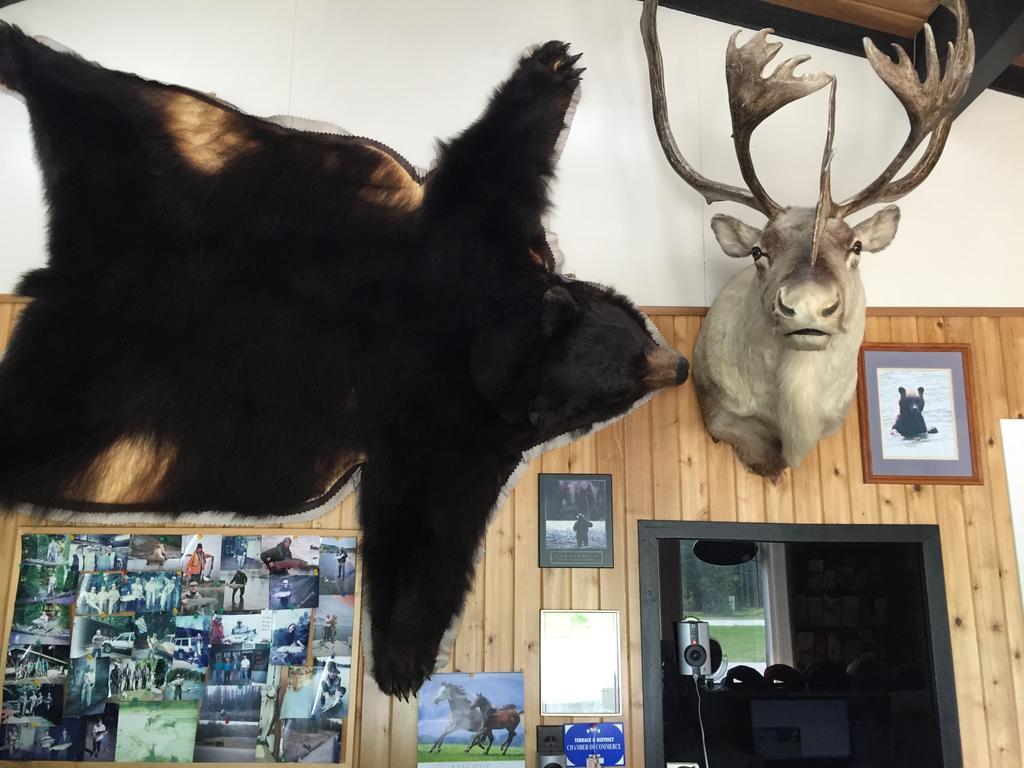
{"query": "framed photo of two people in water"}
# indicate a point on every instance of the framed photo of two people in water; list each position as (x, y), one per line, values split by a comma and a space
(917, 414)
(575, 521)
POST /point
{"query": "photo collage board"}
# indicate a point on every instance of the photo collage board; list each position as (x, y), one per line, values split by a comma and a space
(181, 647)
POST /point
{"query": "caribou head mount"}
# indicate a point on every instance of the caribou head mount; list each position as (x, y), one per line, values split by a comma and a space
(775, 364)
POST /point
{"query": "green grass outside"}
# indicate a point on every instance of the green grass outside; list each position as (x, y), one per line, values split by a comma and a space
(741, 643)
(741, 613)
(451, 753)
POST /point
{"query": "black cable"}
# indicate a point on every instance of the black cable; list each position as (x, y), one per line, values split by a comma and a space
(700, 720)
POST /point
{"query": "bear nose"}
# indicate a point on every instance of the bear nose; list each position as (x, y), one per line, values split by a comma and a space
(665, 368)
(682, 370)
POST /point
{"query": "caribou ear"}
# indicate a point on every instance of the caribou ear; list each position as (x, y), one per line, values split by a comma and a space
(735, 237)
(876, 232)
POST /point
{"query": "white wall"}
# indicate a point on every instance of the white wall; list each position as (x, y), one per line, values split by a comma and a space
(408, 71)
(1013, 454)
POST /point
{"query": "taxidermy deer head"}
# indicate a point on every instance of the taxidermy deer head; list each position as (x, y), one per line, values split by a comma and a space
(801, 304)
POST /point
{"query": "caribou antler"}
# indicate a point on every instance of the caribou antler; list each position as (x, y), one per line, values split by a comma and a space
(930, 108)
(752, 98)
(712, 191)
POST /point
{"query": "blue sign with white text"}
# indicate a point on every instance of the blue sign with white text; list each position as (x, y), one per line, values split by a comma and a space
(607, 740)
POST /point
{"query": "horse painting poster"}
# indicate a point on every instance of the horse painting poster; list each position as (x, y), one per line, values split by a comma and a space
(472, 719)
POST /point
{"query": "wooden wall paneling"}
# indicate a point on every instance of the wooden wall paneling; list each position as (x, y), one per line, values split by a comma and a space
(665, 442)
(693, 459)
(1011, 340)
(663, 465)
(614, 586)
(526, 601)
(807, 506)
(963, 626)
(585, 582)
(750, 501)
(639, 489)
(468, 655)
(1003, 731)
(991, 405)
(863, 498)
(835, 482)
(499, 590)
(403, 734)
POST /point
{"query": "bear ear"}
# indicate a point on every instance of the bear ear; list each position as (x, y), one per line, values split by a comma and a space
(559, 308)
(903, 392)
(920, 390)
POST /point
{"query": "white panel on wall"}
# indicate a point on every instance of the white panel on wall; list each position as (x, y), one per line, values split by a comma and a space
(408, 72)
(1013, 453)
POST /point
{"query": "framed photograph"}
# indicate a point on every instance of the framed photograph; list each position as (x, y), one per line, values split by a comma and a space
(579, 663)
(917, 414)
(575, 521)
(452, 729)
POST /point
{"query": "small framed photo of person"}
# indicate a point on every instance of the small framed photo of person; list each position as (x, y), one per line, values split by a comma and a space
(575, 521)
(917, 414)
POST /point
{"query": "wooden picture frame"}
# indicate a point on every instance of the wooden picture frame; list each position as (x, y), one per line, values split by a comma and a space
(347, 733)
(566, 501)
(893, 449)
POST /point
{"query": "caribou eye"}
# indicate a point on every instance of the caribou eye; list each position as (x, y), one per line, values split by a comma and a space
(756, 252)
(856, 247)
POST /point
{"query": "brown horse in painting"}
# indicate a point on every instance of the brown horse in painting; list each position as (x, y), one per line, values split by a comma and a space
(508, 718)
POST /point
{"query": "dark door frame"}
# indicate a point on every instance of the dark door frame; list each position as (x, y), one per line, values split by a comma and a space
(651, 532)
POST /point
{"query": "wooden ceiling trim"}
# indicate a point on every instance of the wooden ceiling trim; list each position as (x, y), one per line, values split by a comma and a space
(863, 14)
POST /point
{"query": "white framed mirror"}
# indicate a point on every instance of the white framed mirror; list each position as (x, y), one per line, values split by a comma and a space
(579, 663)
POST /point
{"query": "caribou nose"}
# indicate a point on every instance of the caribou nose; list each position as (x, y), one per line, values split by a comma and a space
(682, 370)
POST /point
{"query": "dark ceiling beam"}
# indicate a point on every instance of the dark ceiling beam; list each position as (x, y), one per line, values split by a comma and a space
(998, 29)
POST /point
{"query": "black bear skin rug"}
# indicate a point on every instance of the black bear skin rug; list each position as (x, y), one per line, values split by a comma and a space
(237, 320)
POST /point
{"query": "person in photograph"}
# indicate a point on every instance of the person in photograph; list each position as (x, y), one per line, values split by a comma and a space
(342, 558)
(90, 599)
(239, 632)
(51, 583)
(279, 552)
(192, 597)
(284, 594)
(113, 679)
(98, 733)
(331, 630)
(245, 665)
(236, 668)
(167, 593)
(88, 683)
(195, 564)
(176, 685)
(137, 595)
(331, 689)
(216, 631)
(237, 584)
(113, 599)
(76, 566)
(582, 528)
(152, 591)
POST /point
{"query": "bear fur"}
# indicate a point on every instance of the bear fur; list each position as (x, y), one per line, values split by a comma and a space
(910, 422)
(238, 316)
